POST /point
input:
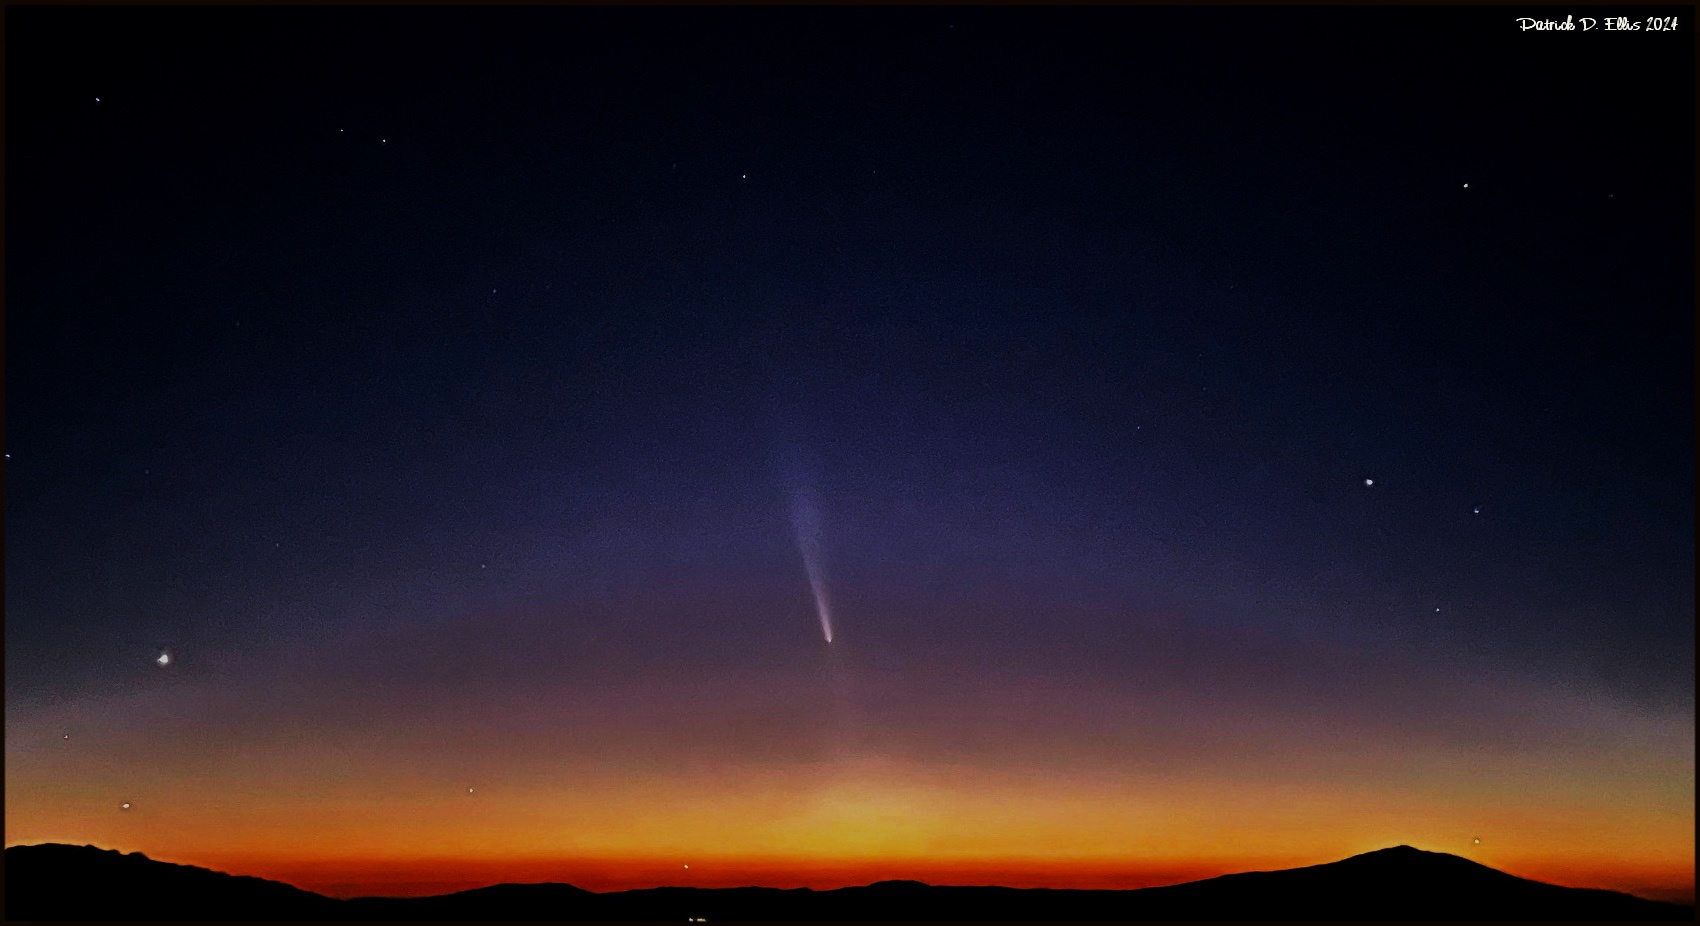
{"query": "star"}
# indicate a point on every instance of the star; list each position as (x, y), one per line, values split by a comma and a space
(1466, 186)
(1478, 509)
(687, 866)
(469, 790)
(1478, 841)
(67, 736)
(124, 806)
(1369, 482)
(164, 659)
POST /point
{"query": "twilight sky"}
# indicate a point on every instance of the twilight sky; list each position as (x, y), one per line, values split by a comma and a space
(1222, 439)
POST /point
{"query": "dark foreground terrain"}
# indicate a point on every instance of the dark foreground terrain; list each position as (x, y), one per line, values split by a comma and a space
(60, 882)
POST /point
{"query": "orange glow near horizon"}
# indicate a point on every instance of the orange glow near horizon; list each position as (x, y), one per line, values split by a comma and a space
(858, 822)
(1023, 783)
(432, 876)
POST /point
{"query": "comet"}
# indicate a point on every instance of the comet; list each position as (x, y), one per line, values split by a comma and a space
(805, 520)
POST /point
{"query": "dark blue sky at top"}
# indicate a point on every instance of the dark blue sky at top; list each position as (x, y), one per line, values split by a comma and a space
(322, 319)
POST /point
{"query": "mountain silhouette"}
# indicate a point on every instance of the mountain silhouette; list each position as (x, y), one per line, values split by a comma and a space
(61, 882)
(56, 882)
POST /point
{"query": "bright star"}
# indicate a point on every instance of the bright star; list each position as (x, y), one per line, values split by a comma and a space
(1369, 482)
(164, 659)
(124, 806)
